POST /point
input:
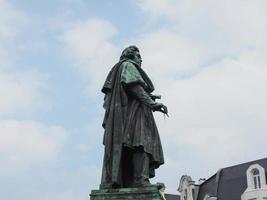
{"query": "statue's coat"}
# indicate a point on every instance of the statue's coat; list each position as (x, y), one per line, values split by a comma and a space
(127, 121)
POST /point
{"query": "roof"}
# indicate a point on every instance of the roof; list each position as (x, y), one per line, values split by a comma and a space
(172, 197)
(231, 181)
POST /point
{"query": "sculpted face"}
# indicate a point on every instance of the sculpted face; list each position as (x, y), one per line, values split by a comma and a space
(137, 58)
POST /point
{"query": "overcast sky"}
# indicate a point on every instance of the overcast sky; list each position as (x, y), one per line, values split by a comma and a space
(208, 60)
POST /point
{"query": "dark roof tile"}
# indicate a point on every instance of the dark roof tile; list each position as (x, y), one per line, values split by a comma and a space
(172, 197)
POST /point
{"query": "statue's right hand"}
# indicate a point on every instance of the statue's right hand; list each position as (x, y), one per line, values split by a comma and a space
(164, 110)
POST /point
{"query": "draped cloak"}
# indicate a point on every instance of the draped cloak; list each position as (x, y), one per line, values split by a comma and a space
(127, 121)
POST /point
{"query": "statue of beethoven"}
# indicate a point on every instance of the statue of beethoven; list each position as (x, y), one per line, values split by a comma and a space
(132, 144)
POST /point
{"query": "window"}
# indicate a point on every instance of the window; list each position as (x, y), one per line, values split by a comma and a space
(256, 178)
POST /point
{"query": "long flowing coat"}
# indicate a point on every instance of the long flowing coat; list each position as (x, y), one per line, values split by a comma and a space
(127, 121)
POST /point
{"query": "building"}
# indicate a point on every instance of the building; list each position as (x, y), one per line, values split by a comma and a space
(245, 181)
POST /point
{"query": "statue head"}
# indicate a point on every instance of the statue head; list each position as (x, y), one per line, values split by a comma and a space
(131, 52)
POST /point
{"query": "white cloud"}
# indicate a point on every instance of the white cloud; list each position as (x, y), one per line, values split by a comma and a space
(167, 54)
(155, 8)
(11, 23)
(219, 114)
(84, 180)
(57, 183)
(217, 117)
(20, 88)
(89, 47)
(209, 64)
(11, 20)
(24, 142)
(239, 22)
(20, 92)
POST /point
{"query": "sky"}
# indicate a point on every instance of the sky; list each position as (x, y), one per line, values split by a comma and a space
(208, 60)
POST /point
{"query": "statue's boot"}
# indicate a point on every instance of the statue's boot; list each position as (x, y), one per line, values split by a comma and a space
(141, 169)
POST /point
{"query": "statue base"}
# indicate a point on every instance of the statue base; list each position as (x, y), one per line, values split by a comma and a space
(151, 192)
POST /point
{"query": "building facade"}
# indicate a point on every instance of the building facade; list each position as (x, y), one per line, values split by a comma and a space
(245, 181)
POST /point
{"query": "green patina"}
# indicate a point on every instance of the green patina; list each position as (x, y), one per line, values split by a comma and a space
(144, 193)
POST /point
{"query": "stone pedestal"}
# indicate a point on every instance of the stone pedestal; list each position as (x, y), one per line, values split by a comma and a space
(144, 193)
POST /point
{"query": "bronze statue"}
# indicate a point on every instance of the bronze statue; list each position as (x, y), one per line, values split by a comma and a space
(132, 144)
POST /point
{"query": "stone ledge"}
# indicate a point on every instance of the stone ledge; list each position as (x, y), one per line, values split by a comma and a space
(143, 193)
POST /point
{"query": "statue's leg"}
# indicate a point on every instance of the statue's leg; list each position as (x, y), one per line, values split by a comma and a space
(127, 167)
(141, 168)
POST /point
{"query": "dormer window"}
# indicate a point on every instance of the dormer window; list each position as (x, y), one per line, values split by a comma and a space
(186, 187)
(256, 178)
(256, 181)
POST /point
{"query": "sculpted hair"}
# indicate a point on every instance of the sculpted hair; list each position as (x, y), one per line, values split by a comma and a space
(129, 52)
